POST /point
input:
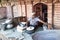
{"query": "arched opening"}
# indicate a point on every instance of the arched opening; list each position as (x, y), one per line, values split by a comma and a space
(40, 10)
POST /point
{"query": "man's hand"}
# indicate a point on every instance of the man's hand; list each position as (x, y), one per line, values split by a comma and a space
(45, 23)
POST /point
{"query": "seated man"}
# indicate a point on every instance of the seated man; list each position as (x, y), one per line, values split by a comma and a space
(33, 21)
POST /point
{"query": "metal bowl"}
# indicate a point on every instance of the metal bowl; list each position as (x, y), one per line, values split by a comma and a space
(9, 26)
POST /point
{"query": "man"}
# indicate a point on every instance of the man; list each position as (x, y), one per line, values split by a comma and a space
(33, 21)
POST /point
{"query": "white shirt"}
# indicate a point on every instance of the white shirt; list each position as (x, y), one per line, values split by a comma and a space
(33, 21)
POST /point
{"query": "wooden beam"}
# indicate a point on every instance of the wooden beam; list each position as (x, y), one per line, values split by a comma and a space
(52, 14)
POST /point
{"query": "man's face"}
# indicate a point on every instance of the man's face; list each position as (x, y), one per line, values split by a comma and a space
(33, 17)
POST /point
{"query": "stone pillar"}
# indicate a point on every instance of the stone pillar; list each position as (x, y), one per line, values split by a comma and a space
(49, 15)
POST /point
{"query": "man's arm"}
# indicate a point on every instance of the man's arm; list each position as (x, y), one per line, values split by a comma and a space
(49, 27)
(43, 22)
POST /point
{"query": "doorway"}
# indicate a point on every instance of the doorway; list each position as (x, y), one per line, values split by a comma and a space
(40, 10)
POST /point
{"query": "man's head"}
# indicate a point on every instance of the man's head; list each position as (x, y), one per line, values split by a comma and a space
(33, 16)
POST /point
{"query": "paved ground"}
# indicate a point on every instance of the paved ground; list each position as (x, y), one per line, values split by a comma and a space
(47, 35)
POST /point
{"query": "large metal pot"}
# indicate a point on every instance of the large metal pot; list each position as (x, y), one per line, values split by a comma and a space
(30, 30)
(9, 26)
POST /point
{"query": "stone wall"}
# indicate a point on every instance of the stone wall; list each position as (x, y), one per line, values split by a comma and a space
(2, 12)
(57, 15)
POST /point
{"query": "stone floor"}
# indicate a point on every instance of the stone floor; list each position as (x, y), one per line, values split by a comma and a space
(14, 34)
(47, 35)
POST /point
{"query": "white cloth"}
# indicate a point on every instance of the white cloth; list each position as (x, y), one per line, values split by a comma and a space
(33, 21)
